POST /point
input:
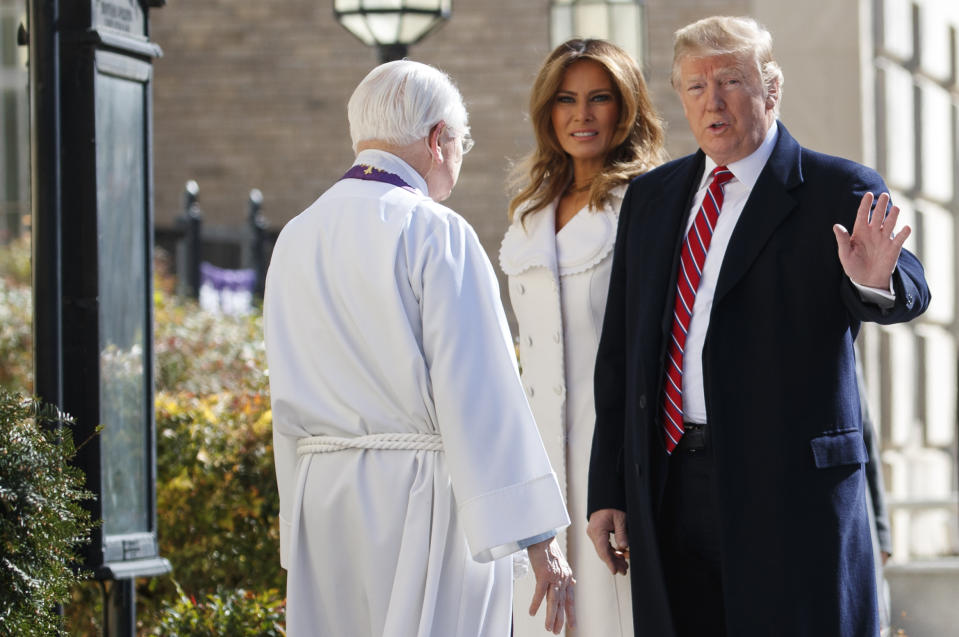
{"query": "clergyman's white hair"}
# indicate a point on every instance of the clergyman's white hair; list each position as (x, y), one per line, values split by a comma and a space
(399, 102)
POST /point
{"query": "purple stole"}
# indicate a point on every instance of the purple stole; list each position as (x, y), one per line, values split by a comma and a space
(371, 173)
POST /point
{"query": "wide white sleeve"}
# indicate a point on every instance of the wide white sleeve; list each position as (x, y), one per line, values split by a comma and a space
(284, 456)
(505, 489)
(284, 447)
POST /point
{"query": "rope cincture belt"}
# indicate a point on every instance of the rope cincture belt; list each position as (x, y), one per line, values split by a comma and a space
(389, 441)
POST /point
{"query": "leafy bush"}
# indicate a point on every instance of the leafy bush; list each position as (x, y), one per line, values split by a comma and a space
(42, 523)
(217, 504)
(201, 353)
(216, 496)
(15, 261)
(16, 318)
(238, 613)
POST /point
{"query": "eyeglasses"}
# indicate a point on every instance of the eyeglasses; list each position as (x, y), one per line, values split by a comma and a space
(465, 141)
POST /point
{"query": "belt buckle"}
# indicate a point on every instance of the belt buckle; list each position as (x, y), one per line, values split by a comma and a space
(694, 437)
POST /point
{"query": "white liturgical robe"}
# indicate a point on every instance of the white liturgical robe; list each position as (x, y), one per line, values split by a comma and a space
(383, 315)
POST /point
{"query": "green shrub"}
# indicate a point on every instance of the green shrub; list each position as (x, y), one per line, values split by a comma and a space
(200, 353)
(217, 503)
(15, 260)
(42, 523)
(237, 613)
(16, 318)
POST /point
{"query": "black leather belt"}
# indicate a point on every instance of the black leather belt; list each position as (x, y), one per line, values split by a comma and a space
(693, 440)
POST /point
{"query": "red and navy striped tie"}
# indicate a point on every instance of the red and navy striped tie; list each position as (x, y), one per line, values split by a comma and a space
(692, 257)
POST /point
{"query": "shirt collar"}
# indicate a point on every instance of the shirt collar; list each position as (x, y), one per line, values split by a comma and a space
(391, 163)
(748, 168)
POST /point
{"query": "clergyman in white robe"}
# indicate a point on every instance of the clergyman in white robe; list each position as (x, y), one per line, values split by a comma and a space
(383, 315)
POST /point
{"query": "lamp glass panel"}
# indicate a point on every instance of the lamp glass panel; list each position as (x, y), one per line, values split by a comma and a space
(346, 5)
(415, 26)
(432, 5)
(123, 299)
(356, 24)
(383, 4)
(385, 27)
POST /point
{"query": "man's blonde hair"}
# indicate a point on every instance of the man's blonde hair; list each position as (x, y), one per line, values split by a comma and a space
(725, 35)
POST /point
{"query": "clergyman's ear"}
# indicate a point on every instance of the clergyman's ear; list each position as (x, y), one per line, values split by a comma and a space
(434, 142)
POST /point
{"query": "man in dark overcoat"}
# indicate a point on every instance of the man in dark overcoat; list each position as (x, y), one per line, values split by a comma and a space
(728, 452)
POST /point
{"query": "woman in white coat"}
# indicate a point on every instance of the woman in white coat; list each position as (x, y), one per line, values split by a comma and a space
(595, 130)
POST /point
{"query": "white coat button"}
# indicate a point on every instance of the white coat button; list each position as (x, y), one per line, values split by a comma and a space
(556, 337)
(522, 289)
(558, 389)
(529, 341)
(529, 390)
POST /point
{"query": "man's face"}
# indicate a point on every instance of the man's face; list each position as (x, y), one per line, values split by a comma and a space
(726, 105)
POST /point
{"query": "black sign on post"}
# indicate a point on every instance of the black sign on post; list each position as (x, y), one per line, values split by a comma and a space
(93, 221)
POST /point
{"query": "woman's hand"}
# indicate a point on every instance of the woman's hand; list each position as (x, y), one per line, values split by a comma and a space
(554, 581)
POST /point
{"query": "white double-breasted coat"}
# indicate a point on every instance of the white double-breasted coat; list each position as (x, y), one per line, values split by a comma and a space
(558, 284)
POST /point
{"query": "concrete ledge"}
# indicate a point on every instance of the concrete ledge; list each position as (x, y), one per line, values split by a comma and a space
(924, 597)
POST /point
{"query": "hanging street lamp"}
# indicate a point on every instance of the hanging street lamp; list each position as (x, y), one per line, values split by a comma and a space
(391, 25)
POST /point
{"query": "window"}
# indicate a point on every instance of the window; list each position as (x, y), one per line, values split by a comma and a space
(619, 21)
(14, 122)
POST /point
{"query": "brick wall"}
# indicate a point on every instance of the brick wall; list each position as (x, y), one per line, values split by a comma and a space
(251, 94)
(248, 96)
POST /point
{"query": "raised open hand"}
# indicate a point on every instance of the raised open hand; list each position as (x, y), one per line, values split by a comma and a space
(869, 255)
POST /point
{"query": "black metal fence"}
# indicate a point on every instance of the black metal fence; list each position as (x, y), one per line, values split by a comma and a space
(191, 243)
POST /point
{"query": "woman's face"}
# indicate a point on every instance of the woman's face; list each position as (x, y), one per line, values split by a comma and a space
(585, 112)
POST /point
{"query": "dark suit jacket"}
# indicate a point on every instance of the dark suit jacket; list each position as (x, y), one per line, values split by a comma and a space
(780, 387)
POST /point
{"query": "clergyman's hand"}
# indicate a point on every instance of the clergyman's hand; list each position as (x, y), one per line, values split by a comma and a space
(602, 523)
(870, 254)
(554, 581)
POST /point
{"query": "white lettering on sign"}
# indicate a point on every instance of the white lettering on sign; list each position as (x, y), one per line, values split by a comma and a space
(122, 15)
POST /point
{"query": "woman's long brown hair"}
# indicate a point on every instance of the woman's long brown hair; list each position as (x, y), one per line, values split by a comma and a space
(637, 145)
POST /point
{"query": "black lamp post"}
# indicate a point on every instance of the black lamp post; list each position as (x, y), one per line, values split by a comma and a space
(91, 70)
(391, 25)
